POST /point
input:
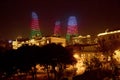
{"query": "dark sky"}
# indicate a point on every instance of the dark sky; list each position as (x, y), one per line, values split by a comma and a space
(93, 16)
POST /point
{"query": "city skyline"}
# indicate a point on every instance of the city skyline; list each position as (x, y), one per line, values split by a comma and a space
(93, 17)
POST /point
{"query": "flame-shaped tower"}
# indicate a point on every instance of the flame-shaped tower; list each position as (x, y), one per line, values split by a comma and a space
(72, 29)
(57, 28)
(35, 26)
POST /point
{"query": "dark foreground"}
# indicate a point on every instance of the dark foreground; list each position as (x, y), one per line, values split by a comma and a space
(97, 74)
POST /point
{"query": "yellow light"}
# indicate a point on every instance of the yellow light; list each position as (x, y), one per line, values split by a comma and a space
(76, 56)
(112, 32)
(117, 55)
(79, 67)
(32, 40)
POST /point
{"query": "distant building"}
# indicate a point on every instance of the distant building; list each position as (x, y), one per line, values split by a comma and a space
(35, 30)
(72, 28)
(39, 42)
(57, 29)
(109, 40)
(57, 40)
(88, 39)
(112, 35)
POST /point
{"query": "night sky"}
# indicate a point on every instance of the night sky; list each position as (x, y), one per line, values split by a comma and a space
(93, 16)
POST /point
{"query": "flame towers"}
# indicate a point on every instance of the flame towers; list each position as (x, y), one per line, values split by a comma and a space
(35, 32)
(72, 28)
(57, 28)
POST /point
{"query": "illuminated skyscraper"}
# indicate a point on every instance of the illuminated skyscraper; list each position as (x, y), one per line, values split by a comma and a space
(72, 29)
(35, 26)
(57, 28)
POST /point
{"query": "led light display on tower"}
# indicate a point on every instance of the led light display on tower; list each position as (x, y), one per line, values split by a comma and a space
(57, 29)
(35, 26)
(72, 27)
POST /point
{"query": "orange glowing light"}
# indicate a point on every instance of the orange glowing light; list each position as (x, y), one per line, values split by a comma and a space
(76, 56)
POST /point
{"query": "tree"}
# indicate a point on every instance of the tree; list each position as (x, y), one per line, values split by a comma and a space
(54, 55)
(7, 61)
(27, 58)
